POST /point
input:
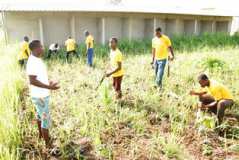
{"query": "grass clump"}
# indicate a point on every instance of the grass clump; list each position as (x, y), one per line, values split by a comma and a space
(11, 85)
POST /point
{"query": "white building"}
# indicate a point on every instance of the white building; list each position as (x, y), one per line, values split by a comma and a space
(53, 21)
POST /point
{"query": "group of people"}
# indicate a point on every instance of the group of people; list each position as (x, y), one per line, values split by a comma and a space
(216, 98)
(70, 46)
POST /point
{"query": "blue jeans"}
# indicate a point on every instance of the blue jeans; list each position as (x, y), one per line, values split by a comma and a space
(159, 71)
(90, 54)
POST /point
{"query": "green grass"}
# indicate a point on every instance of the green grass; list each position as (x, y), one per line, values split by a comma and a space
(11, 85)
(182, 43)
(146, 124)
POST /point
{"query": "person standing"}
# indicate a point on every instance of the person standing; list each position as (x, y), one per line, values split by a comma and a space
(39, 89)
(116, 71)
(24, 51)
(70, 44)
(160, 46)
(89, 41)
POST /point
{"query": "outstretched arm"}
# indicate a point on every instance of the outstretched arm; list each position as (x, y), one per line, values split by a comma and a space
(37, 83)
(194, 93)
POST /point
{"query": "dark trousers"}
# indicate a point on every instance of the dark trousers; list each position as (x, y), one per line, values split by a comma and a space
(219, 108)
(50, 52)
(22, 62)
(69, 53)
(117, 85)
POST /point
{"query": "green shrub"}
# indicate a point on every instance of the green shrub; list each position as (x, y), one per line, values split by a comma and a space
(180, 43)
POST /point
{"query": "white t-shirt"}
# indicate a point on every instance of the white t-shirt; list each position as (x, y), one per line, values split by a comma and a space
(36, 67)
(53, 47)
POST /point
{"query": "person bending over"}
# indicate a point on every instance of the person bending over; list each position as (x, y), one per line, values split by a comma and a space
(217, 98)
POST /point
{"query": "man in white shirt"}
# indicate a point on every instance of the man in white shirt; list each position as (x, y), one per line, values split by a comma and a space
(39, 88)
(53, 49)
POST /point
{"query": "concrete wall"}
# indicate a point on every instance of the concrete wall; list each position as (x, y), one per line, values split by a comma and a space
(222, 26)
(83, 23)
(113, 27)
(160, 22)
(170, 25)
(206, 26)
(57, 26)
(148, 28)
(137, 28)
(189, 27)
(126, 28)
(20, 24)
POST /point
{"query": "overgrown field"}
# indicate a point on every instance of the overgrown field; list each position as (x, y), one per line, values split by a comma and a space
(146, 124)
(11, 85)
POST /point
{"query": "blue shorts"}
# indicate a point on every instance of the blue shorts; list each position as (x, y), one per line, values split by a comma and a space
(42, 109)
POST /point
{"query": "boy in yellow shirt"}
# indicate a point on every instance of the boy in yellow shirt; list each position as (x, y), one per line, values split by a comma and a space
(216, 99)
(116, 72)
(70, 44)
(24, 51)
(160, 46)
(89, 41)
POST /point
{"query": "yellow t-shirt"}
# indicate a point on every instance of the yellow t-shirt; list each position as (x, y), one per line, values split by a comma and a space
(218, 91)
(24, 47)
(70, 45)
(89, 40)
(161, 47)
(116, 56)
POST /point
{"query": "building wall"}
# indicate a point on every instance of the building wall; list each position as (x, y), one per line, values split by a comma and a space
(205, 26)
(19, 25)
(57, 26)
(137, 28)
(148, 28)
(83, 23)
(113, 27)
(222, 26)
(170, 25)
(189, 27)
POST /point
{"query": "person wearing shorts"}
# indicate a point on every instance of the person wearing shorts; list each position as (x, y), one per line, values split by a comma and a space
(116, 71)
(216, 99)
(39, 89)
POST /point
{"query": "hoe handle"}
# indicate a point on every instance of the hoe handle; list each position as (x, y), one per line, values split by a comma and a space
(101, 80)
(168, 69)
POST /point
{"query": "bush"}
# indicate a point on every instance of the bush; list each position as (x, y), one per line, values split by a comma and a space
(181, 43)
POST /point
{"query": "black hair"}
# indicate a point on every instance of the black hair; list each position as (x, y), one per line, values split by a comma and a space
(87, 32)
(34, 44)
(114, 39)
(158, 29)
(26, 38)
(202, 76)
